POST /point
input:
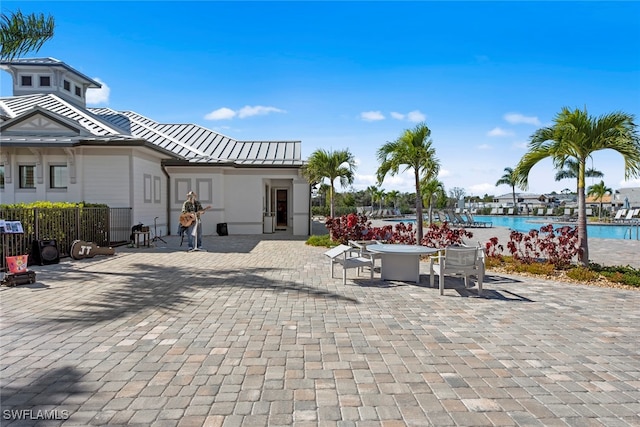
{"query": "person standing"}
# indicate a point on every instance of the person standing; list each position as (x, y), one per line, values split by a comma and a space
(193, 207)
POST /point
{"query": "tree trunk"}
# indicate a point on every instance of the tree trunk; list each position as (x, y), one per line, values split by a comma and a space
(418, 208)
(582, 217)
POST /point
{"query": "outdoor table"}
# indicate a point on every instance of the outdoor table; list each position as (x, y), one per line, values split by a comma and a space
(400, 262)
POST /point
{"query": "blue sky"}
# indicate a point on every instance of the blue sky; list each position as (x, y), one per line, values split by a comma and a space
(483, 76)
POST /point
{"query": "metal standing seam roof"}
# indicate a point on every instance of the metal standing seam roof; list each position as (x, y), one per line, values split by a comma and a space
(190, 142)
(18, 105)
(201, 145)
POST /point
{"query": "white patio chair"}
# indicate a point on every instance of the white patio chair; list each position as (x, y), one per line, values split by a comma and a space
(348, 257)
(458, 261)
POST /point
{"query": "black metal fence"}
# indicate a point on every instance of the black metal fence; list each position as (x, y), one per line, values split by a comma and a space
(102, 226)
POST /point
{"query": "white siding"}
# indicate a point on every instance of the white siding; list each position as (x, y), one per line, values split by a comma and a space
(106, 179)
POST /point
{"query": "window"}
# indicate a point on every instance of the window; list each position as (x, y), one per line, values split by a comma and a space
(67, 85)
(27, 175)
(58, 176)
(1, 177)
(26, 81)
(78, 91)
(45, 81)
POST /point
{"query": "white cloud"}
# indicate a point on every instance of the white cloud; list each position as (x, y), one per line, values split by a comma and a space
(498, 131)
(371, 116)
(413, 116)
(517, 118)
(225, 113)
(485, 147)
(416, 116)
(258, 110)
(443, 173)
(98, 96)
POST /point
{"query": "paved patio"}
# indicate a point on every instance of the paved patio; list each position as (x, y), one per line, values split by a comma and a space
(255, 333)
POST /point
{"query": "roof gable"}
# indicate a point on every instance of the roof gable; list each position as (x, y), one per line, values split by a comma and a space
(39, 121)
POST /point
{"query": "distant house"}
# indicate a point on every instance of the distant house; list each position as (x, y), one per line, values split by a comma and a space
(52, 147)
(531, 199)
(628, 197)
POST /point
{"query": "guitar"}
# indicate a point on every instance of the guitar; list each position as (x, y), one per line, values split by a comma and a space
(81, 249)
(187, 218)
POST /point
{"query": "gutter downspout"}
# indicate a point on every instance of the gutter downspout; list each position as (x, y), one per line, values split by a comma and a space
(168, 197)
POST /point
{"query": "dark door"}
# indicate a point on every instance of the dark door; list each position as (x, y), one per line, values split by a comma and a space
(281, 208)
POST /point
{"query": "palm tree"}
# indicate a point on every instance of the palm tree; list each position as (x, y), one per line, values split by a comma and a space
(413, 150)
(509, 178)
(373, 191)
(393, 195)
(598, 191)
(21, 33)
(330, 164)
(570, 170)
(576, 136)
(430, 188)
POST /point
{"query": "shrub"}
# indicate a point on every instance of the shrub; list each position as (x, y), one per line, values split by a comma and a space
(626, 275)
(323, 240)
(441, 236)
(556, 246)
(582, 274)
(358, 227)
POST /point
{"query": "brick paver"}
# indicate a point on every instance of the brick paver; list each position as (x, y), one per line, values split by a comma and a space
(254, 332)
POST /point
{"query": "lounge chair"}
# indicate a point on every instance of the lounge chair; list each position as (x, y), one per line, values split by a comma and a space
(629, 216)
(621, 213)
(540, 211)
(494, 211)
(475, 223)
(458, 261)
(549, 212)
(589, 212)
(510, 211)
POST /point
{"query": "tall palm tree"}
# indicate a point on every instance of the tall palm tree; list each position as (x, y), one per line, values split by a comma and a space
(509, 178)
(21, 33)
(331, 165)
(576, 136)
(431, 188)
(412, 150)
(570, 170)
(373, 191)
(598, 191)
(380, 194)
(393, 196)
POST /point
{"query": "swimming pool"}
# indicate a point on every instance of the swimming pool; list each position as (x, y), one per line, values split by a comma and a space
(526, 223)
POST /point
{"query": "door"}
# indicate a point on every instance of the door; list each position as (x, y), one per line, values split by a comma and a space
(281, 208)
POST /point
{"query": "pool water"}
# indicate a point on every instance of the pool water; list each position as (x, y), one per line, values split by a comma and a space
(526, 223)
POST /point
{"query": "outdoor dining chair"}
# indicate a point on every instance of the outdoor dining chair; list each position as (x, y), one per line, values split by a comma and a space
(462, 261)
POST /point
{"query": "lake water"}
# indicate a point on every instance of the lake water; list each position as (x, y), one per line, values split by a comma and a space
(524, 224)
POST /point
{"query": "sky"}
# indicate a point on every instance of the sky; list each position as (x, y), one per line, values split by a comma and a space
(483, 76)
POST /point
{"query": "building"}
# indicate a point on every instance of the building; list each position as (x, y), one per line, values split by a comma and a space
(54, 148)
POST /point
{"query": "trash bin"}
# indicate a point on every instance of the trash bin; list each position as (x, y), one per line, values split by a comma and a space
(268, 225)
(221, 229)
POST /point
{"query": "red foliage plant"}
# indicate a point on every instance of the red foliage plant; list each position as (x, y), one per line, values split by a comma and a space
(441, 236)
(556, 246)
(358, 227)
